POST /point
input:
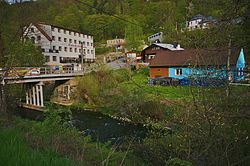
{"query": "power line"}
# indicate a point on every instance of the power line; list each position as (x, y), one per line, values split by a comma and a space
(108, 13)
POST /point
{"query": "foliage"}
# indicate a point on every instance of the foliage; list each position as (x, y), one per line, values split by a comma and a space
(15, 151)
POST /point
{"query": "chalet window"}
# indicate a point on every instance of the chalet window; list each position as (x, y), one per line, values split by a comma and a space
(53, 38)
(32, 30)
(65, 39)
(151, 56)
(60, 48)
(33, 39)
(178, 72)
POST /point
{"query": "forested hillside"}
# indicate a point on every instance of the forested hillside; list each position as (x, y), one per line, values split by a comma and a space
(107, 19)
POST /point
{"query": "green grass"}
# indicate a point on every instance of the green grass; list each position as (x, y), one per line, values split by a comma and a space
(139, 80)
(15, 151)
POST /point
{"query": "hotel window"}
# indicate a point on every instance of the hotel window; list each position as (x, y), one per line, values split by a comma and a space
(79, 42)
(69, 33)
(87, 36)
(59, 30)
(88, 51)
(79, 35)
(178, 72)
(87, 43)
(75, 34)
(91, 44)
(54, 58)
(92, 51)
(70, 49)
(53, 38)
(64, 31)
(54, 47)
(83, 42)
(65, 49)
(52, 29)
(59, 38)
(38, 38)
(80, 50)
(75, 49)
(65, 39)
(75, 41)
(32, 30)
(70, 40)
(60, 48)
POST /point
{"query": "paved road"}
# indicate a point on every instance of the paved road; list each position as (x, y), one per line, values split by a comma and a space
(117, 64)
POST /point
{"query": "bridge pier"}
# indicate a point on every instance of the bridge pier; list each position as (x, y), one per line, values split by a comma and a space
(34, 94)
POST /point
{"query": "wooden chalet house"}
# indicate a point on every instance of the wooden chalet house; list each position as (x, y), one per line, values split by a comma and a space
(166, 60)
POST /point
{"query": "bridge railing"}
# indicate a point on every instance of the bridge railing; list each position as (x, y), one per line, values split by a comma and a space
(36, 71)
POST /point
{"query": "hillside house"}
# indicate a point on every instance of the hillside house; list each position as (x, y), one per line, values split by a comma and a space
(200, 22)
(61, 45)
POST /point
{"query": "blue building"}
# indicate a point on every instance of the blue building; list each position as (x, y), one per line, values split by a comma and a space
(196, 64)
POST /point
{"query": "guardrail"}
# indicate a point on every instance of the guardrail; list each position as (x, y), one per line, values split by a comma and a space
(38, 71)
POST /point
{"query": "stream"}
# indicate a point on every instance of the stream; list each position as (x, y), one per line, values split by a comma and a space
(100, 127)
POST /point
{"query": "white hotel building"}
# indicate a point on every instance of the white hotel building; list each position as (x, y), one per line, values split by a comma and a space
(60, 45)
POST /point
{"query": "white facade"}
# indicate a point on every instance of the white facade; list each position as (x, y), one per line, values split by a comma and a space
(61, 45)
(200, 22)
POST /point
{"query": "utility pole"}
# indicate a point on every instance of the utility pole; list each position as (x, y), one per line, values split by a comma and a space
(228, 65)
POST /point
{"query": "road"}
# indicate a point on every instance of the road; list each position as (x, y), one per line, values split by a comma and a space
(117, 64)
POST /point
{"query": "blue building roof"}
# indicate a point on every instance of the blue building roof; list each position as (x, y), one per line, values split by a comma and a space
(241, 60)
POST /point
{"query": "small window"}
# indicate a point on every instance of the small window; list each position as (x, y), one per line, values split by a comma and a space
(54, 58)
(79, 35)
(75, 49)
(70, 40)
(59, 38)
(65, 49)
(75, 34)
(91, 44)
(32, 30)
(80, 50)
(88, 51)
(65, 31)
(84, 51)
(54, 47)
(47, 58)
(92, 51)
(52, 29)
(178, 72)
(87, 43)
(75, 41)
(79, 42)
(83, 43)
(70, 49)
(69, 33)
(65, 39)
(33, 39)
(158, 70)
(59, 30)
(38, 38)
(60, 48)
(87, 36)
(53, 38)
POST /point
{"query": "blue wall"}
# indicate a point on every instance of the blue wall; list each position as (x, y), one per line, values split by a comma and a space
(199, 72)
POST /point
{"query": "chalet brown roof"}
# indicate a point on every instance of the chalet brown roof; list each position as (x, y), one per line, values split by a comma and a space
(191, 57)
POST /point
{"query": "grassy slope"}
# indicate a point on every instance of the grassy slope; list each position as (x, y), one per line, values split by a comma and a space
(139, 80)
(15, 151)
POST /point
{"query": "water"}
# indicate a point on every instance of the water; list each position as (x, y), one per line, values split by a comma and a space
(100, 127)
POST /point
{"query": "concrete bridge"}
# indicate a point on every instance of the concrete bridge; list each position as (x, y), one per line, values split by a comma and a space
(34, 78)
